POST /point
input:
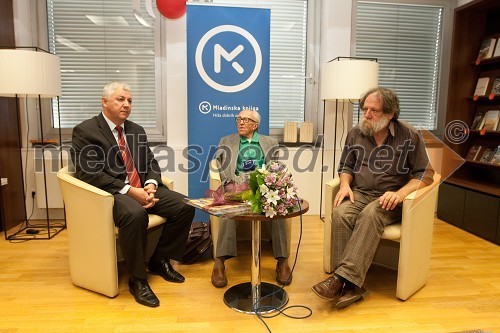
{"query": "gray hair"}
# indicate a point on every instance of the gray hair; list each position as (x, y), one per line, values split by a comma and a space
(256, 116)
(390, 101)
(111, 87)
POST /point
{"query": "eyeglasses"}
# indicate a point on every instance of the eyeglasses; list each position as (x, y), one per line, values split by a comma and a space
(243, 120)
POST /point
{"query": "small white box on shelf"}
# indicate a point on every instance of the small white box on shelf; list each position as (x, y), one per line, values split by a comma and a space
(290, 132)
(306, 132)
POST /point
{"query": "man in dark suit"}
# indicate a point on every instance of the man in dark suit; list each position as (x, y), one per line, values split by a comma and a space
(129, 171)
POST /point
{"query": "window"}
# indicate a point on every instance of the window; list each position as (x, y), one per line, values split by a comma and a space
(103, 40)
(406, 39)
(100, 41)
(288, 57)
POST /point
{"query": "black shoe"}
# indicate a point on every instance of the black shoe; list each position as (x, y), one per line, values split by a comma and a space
(142, 293)
(350, 294)
(165, 270)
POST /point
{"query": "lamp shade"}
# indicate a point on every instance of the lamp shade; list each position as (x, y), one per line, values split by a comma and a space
(31, 73)
(348, 79)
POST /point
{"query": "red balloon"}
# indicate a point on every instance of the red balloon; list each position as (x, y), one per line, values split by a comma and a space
(172, 9)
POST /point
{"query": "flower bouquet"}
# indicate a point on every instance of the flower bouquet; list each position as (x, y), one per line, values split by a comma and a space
(272, 190)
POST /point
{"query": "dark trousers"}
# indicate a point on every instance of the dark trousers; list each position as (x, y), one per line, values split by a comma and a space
(132, 220)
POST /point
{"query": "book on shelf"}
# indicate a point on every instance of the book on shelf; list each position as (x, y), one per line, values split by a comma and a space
(487, 155)
(225, 211)
(481, 86)
(478, 121)
(486, 49)
(496, 53)
(495, 88)
(496, 157)
(473, 152)
(491, 119)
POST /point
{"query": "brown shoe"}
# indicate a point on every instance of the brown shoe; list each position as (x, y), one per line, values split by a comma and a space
(219, 279)
(350, 294)
(283, 273)
(329, 289)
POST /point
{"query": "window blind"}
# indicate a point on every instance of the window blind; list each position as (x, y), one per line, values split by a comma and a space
(406, 40)
(99, 41)
(287, 57)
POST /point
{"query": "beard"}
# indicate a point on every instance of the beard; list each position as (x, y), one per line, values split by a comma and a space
(370, 127)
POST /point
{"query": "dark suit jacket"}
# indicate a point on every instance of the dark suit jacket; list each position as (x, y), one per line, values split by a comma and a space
(98, 160)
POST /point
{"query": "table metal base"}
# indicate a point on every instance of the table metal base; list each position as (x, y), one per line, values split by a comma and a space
(239, 298)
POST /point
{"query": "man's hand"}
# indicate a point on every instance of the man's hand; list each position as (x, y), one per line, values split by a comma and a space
(345, 190)
(389, 200)
(145, 196)
(151, 190)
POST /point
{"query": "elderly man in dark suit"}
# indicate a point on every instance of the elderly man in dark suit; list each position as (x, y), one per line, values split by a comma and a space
(237, 154)
(128, 170)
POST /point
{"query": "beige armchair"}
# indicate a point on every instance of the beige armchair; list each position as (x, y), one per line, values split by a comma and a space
(404, 246)
(244, 229)
(92, 236)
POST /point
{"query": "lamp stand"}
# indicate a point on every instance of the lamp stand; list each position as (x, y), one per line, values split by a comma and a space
(344, 78)
(323, 153)
(322, 162)
(32, 72)
(34, 229)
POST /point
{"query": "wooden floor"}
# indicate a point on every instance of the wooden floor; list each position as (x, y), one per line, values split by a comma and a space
(463, 293)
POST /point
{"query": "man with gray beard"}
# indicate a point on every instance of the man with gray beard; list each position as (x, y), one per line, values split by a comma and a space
(384, 160)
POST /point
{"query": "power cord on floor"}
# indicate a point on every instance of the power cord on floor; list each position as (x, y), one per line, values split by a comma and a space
(258, 310)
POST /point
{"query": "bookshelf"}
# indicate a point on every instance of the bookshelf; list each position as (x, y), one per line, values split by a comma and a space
(470, 197)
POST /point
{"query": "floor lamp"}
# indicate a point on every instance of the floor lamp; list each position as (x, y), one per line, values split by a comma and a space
(344, 78)
(32, 72)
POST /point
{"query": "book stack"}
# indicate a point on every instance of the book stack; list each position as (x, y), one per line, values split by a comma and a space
(223, 211)
(478, 121)
(495, 89)
(488, 121)
(481, 86)
(496, 157)
(491, 119)
(487, 49)
(473, 152)
(478, 153)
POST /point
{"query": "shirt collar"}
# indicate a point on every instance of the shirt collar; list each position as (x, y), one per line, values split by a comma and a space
(392, 130)
(111, 124)
(255, 138)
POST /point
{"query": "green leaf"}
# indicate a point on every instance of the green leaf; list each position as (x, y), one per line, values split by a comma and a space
(254, 186)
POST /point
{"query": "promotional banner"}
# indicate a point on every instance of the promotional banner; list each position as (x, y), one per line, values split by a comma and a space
(227, 71)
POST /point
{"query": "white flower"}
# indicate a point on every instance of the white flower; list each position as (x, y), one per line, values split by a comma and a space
(263, 170)
(263, 189)
(272, 197)
(270, 212)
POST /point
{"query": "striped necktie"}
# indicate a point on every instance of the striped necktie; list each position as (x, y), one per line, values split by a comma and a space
(133, 176)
